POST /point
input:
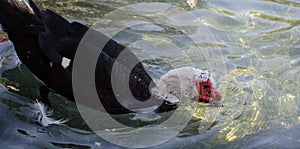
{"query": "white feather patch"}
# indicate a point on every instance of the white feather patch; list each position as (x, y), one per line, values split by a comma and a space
(65, 62)
(44, 116)
(192, 3)
(26, 3)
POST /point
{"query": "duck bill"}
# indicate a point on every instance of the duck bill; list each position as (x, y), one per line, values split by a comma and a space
(215, 95)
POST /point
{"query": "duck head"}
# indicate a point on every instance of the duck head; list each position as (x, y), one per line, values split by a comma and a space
(187, 83)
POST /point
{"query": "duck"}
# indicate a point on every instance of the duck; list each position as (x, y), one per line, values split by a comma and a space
(46, 43)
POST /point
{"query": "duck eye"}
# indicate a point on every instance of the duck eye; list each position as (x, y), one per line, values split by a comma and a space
(205, 86)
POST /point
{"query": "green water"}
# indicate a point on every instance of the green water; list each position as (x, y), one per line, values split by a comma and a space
(251, 47)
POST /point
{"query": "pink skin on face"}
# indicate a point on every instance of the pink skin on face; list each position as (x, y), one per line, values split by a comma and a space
(206, 92)
(2, 40)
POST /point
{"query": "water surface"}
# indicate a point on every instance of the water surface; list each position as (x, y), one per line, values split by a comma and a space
(251, 47)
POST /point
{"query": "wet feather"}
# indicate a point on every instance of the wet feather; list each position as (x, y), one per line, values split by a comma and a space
(44, 115)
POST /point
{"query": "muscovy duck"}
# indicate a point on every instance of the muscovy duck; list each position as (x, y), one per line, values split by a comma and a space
(44, 39)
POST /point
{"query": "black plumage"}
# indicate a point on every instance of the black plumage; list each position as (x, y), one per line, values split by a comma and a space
(43, 38)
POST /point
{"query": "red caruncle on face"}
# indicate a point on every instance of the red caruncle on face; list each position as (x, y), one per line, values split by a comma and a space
(207, 92)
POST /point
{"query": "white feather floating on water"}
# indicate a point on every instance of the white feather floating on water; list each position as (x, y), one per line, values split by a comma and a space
(44, 115)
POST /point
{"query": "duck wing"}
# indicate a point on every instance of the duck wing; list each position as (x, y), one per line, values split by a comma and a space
(61, 39)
